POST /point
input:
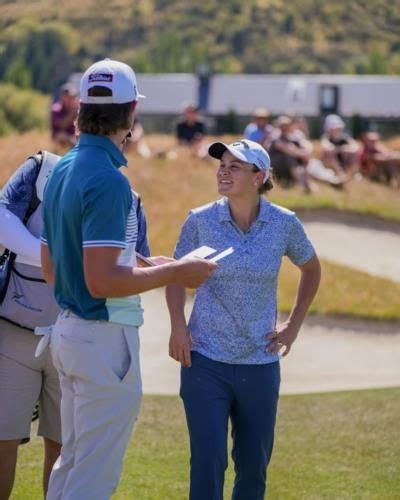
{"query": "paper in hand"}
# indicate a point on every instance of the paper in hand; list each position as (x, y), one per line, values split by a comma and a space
(222, 254)
(199, 253)
(205, 251)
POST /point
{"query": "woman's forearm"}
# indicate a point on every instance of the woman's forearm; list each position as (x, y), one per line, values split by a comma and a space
(306, 291)
(176, 299)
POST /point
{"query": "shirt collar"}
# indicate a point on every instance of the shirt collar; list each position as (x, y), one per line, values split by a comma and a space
(224, 214)
(104, 142)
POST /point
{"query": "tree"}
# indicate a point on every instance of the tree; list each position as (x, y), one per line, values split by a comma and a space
(37, 55)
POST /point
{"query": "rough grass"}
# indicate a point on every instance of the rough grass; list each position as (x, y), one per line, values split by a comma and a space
(329, 446)
(344, 292)
(170, 188)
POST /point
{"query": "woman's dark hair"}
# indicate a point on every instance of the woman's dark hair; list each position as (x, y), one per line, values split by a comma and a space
(103, 119)
(268, 185)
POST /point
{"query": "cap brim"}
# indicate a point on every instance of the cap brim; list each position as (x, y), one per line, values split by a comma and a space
(217, 149)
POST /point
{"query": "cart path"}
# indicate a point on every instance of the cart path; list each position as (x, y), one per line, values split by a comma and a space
(330, 354)
(373, 250)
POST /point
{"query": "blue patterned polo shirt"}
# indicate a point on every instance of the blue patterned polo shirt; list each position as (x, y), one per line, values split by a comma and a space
(235, 308)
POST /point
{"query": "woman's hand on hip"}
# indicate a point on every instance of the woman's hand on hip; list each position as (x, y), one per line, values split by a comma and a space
(180, 343)
(283, 336)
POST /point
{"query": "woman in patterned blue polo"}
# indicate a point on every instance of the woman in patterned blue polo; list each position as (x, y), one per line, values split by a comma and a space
(230, 349)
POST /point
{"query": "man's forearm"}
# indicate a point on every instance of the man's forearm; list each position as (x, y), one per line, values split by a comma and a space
(123, 281)
(104, 277)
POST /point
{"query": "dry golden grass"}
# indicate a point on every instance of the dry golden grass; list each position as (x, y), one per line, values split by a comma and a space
(344, 292)
(170, 188)
(15, 148)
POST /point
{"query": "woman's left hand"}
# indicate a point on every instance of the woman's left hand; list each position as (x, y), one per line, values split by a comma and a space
(283, 336)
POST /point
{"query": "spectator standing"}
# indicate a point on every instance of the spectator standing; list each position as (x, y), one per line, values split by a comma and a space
(63, 115)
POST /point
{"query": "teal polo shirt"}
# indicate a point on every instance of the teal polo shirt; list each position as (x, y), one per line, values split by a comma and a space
(88, 203)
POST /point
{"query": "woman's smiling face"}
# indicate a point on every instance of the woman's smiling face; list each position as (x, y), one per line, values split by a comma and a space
(236, 177)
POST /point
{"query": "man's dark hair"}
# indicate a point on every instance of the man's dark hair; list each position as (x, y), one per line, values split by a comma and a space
(268, 185)
(103, 119)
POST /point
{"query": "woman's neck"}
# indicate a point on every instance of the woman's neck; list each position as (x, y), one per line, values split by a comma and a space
(244, 211)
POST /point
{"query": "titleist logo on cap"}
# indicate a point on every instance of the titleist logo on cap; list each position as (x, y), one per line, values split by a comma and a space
(100, 77)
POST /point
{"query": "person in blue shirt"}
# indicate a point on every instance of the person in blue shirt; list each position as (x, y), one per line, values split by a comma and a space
(259, 129)
(88, 245)
(230, 349)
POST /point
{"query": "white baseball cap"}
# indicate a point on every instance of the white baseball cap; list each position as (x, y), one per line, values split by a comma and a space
(113, 75)
(333, 121)
(244, 150)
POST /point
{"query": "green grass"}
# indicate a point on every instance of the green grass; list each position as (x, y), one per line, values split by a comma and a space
(344, 292)
(342, 445)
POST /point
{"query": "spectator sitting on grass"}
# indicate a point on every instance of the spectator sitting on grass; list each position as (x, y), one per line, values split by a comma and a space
(136, 141)
(290, 155)
(339, 150)
(190, 130)
(259, 130)
(379, 163)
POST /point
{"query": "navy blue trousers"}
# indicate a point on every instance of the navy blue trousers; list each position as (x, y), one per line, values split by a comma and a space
(213, 393)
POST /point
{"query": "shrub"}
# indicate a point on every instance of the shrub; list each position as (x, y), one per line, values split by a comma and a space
(22, 110)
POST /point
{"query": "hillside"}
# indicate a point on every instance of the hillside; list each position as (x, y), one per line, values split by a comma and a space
(42, 40)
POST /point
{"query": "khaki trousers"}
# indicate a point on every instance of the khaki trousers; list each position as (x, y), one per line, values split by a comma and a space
(98, 365)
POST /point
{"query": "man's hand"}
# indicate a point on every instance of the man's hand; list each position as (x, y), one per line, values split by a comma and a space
(180, 343)
(284, 336)
(191, 273)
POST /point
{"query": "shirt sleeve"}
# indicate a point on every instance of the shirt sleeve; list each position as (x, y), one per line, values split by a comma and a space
(142, 244)
(17, 238)
(188, 239)
(299, 249)
(105, 211)
(247, 133)
(17, 192)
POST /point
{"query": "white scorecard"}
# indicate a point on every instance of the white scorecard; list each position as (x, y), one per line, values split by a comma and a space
(205, 251)
(200, 253)
(222, 254)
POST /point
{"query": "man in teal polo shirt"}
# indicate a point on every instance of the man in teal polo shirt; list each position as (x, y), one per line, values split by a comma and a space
(88, 251)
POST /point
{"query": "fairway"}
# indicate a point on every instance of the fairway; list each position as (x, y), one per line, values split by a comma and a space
(342, 445)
